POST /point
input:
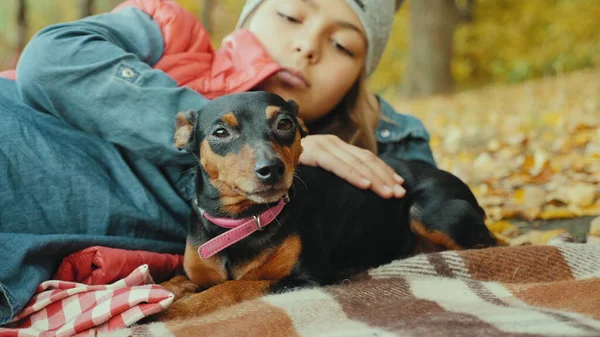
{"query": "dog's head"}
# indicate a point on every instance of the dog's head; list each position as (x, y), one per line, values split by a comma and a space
(248, 145)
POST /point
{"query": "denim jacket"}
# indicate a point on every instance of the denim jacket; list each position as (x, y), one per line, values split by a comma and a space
(96, 74)
(403, 135)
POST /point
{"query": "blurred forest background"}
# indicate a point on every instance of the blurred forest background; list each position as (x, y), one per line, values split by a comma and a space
(508, 89)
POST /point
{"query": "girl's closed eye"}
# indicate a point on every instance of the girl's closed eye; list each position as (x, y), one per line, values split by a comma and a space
(343, 49)
(288, 18)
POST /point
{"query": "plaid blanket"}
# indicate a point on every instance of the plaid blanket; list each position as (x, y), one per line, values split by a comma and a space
(508, 291)
(61, 308)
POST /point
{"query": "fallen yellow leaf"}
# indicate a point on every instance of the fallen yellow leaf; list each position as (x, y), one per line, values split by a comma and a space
(544, 176)
(553, 119)
(494, 213)
(556, 213)
(536, 237)
(593, 239)
(582, 137)
(530, 213)
(494, 145)
(505, 228)
(510, 211)
(519, 196)
(591, 210)
(534, 196)
(581, 194)
(595, 226)
(502, 240)
(592, 150)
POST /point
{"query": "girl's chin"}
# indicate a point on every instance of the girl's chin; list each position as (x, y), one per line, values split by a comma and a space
(285, 93)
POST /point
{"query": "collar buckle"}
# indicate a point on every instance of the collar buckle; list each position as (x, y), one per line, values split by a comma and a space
(258, 223)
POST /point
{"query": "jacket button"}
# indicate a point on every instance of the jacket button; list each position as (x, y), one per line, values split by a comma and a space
(385, 133)
(127, 73)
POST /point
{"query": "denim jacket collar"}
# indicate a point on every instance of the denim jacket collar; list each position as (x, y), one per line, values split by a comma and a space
(395, 127)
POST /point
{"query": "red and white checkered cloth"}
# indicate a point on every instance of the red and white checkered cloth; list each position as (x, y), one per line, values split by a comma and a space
(61, 308)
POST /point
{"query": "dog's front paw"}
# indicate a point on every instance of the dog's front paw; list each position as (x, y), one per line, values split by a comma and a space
(188, 306)
(171, 313)
(180, 286)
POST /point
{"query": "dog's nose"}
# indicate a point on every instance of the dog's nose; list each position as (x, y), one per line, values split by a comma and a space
(269, 170)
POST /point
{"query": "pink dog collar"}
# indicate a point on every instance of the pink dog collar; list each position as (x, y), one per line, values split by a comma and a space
(239, 228)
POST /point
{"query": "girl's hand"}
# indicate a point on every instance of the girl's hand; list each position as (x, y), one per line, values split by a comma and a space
(358, 166)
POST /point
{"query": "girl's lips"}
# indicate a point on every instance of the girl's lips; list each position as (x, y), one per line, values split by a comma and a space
(293, 79)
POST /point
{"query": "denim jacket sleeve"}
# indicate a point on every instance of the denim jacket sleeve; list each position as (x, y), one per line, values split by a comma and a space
(402, 135)
(96, 74)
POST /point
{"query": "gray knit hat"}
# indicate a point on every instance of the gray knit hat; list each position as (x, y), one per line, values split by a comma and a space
(376, 17)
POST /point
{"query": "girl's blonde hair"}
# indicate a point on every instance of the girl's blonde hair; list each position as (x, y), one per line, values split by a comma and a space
(354, 119)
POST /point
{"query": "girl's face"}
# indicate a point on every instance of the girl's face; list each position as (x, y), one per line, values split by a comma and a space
(321, 46)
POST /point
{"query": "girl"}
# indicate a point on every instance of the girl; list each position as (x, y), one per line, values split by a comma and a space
(86, 153)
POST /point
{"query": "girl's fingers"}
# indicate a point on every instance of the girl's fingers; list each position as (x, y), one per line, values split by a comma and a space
(385, 180)
(345, 171)
(359, 167)
(399, 191)
(370, 172)
(318, 153)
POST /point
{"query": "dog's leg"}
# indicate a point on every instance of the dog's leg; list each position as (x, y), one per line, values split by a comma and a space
(232, 292)
(180, 286)
(452, 224)
(220, 296)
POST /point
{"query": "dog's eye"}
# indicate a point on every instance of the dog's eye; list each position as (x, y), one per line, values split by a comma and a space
(221, 133)
(285, 124)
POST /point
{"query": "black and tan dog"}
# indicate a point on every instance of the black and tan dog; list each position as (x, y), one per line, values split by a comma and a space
(246, 238)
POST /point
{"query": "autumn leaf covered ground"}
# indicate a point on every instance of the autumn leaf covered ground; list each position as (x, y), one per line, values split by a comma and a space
(530, 152)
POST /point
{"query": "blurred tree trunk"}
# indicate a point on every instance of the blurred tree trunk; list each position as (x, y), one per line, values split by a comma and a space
(22, 26)
(86, 8)
(206, 15)
(432, 25)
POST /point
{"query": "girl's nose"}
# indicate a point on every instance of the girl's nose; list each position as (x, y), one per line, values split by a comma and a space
(307, 49)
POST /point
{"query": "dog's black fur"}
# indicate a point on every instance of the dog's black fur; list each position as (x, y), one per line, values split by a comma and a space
(342, 229)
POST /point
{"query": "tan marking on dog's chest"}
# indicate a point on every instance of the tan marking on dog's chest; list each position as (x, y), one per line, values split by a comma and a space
(274, 264)
(203, 272)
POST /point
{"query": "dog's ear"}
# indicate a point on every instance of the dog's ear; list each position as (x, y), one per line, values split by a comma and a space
(293, 107)
(184, 129)
(302, 127)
